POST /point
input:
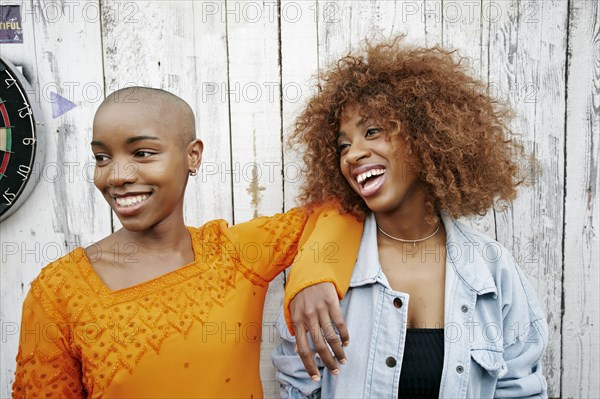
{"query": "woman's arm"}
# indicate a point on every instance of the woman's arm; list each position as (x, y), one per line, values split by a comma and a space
(322, 245)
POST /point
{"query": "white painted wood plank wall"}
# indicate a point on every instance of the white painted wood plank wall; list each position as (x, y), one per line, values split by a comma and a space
(246, 66)
(581, 258)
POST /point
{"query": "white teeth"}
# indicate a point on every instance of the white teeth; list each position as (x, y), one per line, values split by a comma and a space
(128, 201)
(365, 175)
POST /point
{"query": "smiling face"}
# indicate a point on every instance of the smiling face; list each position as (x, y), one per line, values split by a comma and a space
(384, 176)
(142, 165)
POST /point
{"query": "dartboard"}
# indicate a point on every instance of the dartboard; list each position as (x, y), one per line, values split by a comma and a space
(21, 139)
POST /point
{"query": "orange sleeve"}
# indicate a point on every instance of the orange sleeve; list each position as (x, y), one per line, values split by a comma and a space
(317, 235)
(267, 245)
(45, 365)
(329, 248)
(320, 243)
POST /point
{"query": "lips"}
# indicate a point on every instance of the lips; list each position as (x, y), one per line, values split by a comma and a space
(370, 179)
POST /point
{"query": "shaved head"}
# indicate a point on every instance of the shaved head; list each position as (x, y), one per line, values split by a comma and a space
(171, 111)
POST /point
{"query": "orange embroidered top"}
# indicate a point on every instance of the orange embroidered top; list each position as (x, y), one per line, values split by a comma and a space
(194, 332)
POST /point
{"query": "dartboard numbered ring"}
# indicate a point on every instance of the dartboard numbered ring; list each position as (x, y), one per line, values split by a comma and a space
(21, 139)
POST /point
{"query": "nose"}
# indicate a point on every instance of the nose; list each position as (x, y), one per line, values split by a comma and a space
(122, 172)
(356, 152)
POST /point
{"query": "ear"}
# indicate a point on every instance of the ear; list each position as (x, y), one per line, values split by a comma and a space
(194, 154)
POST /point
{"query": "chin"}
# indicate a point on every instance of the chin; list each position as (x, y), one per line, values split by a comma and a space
(379, 205)
(131, 224)
(135, 228)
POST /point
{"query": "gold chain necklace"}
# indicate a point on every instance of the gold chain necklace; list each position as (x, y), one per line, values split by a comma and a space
(414, 242)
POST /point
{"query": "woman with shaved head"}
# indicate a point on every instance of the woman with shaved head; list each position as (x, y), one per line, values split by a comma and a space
(159, 309)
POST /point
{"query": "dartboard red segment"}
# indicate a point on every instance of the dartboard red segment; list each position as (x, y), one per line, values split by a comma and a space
(5, 139)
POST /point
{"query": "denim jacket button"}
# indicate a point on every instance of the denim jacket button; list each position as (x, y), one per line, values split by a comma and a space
(390, 361)
(464, 308)
(398, 302)
(459, 369)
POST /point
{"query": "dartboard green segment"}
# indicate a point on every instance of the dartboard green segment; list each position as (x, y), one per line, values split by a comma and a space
(5, 141)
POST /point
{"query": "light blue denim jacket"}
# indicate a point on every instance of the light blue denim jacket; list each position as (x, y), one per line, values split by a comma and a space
(495, 330)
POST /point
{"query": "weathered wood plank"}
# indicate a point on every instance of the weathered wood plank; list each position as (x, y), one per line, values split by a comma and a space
(581, 318)
(254, 92)
(213, 186)
(60, 54)
(344, 25)
(164, 44)
(298, 63)
(527, 59)
(256, 135)
(298, 80)
(466, 30)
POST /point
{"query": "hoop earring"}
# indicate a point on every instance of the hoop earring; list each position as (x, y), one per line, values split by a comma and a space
(193, 172)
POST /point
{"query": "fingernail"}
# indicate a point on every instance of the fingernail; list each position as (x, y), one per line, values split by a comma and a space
(335, 372)
(346, 343)
(315, 378)
(343, 361)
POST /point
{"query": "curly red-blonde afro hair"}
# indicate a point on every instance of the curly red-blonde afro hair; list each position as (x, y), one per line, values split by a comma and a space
(423, 98)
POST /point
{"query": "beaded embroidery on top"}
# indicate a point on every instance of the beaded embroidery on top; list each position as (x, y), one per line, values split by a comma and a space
(87, 313)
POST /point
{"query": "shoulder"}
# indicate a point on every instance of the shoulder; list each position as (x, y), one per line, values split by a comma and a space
(478, 257)
(472, 244)
(65, 268)
(289, 220)
(466, 231)
(475, 250)
(217, 229)
(279, 223)
(58, 281)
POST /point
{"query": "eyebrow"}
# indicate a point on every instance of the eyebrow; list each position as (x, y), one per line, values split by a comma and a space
(363, 120)
(141, 138)
(130, 140)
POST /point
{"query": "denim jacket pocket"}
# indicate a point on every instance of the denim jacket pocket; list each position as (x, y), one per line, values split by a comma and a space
(491, 359)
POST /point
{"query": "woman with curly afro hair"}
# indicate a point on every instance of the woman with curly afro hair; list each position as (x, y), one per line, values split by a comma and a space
(403, 138)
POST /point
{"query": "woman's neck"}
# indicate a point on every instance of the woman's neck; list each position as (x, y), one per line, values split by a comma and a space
(168, 235)
(128, 257)
(408, 223)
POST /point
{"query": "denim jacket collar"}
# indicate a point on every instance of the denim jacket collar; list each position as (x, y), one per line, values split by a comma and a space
(368, 269)
(466, 259)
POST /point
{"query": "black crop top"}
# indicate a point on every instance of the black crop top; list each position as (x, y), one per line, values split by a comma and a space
(422, 363)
